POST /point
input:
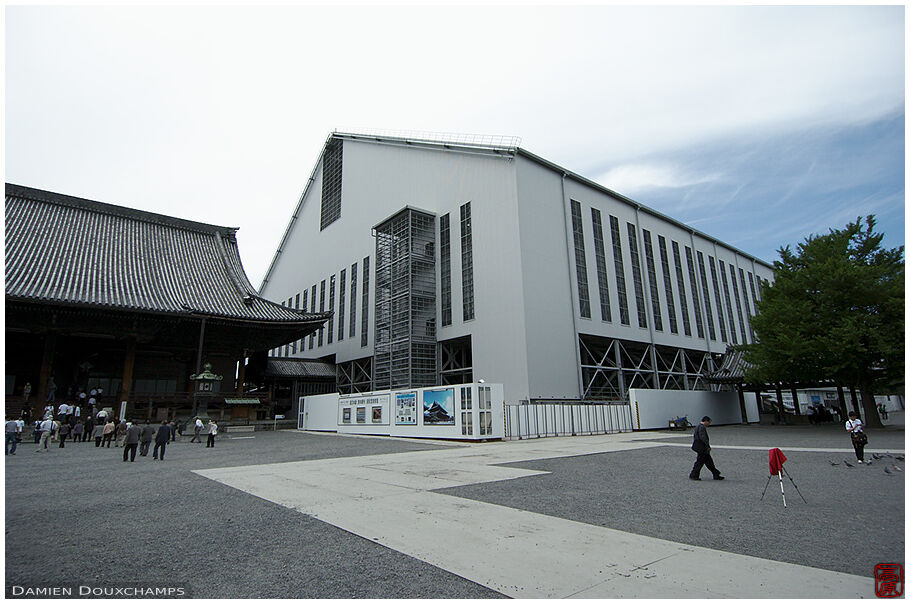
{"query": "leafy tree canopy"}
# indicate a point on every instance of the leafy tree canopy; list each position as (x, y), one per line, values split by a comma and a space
(834, 312)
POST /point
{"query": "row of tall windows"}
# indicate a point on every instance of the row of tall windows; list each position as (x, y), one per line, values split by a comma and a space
(723, 280)
(326, 333)
(467, 266)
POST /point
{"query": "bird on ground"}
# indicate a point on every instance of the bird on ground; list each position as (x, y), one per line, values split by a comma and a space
(833, 463)
(899, 458)
(897, 467)
(887, 471)
(848, 464)
(877, 456)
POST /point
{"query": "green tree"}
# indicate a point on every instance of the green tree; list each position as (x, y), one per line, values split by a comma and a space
(835, 312)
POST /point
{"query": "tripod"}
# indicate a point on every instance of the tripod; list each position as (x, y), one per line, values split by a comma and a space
(780, 476)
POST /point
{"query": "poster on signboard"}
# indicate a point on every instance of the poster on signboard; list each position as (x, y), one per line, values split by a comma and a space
(439, 407)
(361, 415)
(346, 415)
(406, 409)
(377, 415)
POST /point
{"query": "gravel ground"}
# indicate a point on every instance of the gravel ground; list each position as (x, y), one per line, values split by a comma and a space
(80, 516)
(854, 518)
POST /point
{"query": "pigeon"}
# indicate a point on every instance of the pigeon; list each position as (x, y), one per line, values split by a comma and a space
(887, 471)
(833, 463)
(898, 468)
(877, 456)
(899, 458)
(848, 464)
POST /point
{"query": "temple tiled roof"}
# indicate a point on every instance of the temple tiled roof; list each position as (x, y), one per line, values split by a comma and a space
(299, 368)
(732, 368)
(71, 251)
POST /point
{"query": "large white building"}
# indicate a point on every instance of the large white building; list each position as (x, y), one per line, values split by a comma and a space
(448, 262)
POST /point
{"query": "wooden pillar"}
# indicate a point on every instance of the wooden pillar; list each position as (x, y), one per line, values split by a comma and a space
(46, 372)
(241, 374)
(129, 360)
(795, 400)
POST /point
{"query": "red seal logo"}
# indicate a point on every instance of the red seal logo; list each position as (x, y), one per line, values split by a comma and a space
(889, 580)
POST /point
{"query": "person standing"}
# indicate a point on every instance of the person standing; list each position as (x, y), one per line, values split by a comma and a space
(213, 430)
(145, 440)
(197, 430)
(78, 432)
(121, 432)
(21, 424)
(12, 431)
(859, 439)
(46, 427)
(131, 441)
(161, 437)
(702, 448)
(37, 430)
(108, 433)
(63, 431)
(89, 428)
(98, 433)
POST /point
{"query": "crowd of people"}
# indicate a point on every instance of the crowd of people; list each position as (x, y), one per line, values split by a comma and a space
(80, 424)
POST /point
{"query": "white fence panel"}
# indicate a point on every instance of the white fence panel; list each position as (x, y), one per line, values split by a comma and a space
(564, 418)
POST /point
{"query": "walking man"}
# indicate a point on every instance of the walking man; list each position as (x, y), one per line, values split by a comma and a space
(161, 437)
(46, 427)
(12, 432)
(703, 450)
(197, 430)
(148, 433)
(131, 441)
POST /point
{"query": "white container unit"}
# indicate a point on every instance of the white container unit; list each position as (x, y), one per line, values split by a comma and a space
(463, 412)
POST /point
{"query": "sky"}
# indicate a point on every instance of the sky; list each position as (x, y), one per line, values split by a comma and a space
(758, 126)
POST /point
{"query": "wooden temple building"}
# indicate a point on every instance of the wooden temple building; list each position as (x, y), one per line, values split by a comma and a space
(136, 304)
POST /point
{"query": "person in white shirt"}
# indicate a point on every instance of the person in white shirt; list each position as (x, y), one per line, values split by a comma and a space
(21, 426)
(46, 427)
(197, 430)
(854, 426)
(213, 430)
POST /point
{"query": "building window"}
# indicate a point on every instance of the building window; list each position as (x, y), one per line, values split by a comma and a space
(739, 304)
(341, 292)
(353, 326)
(467, 264)
(331, 184)
(445, 269)
(652, 281)
(455, 361)
(313, 309)
(752, 288)
(706, 294)
(600, 255)
(723, 279)
(718, 305)
(365, 307)
(467, 428)
(620, 271)
(681, 286)
(303, 305)
(331, 326)
(750, 310)
(636, 276)
(321, 309)
(581, 266)
(286, 349)
(668, 283)
(485, 405)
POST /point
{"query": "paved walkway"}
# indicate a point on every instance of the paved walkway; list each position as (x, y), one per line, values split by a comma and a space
(389, 500)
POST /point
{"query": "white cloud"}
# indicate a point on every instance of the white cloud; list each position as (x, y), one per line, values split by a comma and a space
(632, 179)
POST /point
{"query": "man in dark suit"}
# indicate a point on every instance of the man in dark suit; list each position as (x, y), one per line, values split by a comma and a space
(161, 439)
(131, 441)
(145, 440)
(703, 450)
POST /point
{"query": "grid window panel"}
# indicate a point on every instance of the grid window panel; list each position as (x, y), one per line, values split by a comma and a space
(718, 305)
(723, 279)
(750, 310)
(668, 283)
(467, 264)
(331, 184)
(320, 335)
(581, 267)
(620, 271)
(636, 276)
(739, 304)
(303, 305)
(445, 269)
(681, 285)
(341, 293)
(331, 327)
(652, 281)
(706, 294)
(365, 308)
(353, 326)
(601, 258)
(466, 398)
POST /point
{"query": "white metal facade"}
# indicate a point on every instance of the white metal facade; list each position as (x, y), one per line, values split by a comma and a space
(527, 314)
